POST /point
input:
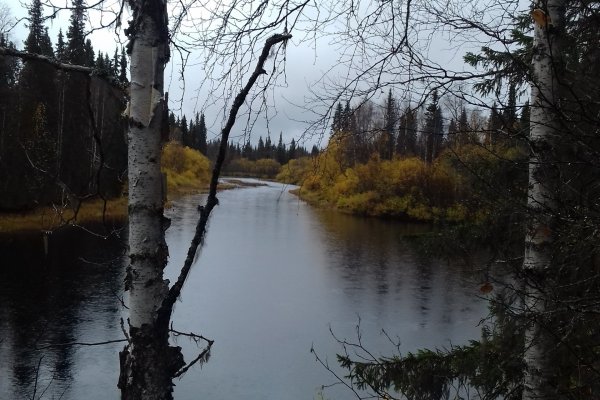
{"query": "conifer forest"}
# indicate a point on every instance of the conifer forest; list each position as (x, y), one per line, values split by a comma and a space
(300, 199)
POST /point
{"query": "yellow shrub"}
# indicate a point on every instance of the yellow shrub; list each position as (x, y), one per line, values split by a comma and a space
(186, 169)
(362, 203)
(297, 170)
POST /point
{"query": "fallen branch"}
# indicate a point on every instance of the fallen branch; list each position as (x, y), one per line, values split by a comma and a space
(7, 51)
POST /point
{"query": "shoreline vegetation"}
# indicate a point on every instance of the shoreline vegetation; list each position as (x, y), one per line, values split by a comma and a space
(187, 172)
(406, 189)
(447, 191)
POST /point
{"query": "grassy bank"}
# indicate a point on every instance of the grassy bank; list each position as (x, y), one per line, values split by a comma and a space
(48, 218)
(186, 170)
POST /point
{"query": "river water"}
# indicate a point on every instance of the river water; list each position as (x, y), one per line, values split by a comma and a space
(275, 279)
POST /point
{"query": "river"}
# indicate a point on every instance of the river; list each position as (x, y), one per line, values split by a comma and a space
(275, 278)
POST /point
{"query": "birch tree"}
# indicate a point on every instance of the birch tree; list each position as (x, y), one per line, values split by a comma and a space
(545, 125)
(148, 363)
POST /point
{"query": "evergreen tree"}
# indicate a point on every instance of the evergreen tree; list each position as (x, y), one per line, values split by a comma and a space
(386, 148)
(202, 135)
(337, 124)
(100, 64)
(452, 131)
(314, 151)
(114, 70)
(61, 49)
(433, 129)
(268, 147)
(280, 153)
(185, 133)
(291, 154)
(37, 40)
(247, 151)
(90, 60)
(260, 149)
(347, 120)
(9, 66)
(509, 115)
(406, 144)
(46, 44)
(463, 128)
(192, 132)
(494, 126)
(76, 52)
(123, 67)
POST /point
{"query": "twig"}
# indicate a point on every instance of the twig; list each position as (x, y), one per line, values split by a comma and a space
(80, 344)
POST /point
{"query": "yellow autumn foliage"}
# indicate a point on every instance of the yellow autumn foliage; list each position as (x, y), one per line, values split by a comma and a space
(405, 188)
(186, 169)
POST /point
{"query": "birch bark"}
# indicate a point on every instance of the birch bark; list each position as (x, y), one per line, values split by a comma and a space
(544, 126)
(148, 363)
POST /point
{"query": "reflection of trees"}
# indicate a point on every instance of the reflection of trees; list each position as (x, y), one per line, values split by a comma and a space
(43, 300)
(377, 257)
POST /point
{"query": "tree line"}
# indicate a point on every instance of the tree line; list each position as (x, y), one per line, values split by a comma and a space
(240, 158)
(391, 130)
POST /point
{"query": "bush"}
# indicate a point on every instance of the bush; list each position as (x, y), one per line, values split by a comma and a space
(187, 170)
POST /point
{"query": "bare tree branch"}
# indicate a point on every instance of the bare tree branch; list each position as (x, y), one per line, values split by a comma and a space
(212, 201)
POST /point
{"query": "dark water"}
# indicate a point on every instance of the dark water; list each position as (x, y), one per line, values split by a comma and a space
(274, 278)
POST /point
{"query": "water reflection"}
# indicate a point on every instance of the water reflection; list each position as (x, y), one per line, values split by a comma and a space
(274, 277)
(66, 295)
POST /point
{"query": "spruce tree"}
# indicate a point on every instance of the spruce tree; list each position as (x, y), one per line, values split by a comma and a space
(202, 134)
(260, 148)
(463, 128)
(292, 151)
(89, 54)
(386, 145)
(114, 71)
(337, 125)
(406, 144)
(61, 48)
(36, 39)
(280, 154)
(268, 147)
(185, 133)
(76, 46)
(123, 67)
(433, 129)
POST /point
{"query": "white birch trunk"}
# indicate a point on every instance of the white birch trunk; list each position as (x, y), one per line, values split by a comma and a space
(147, 363)
(544, 125)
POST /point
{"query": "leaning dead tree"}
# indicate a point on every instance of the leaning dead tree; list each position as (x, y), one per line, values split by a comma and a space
(149, 362)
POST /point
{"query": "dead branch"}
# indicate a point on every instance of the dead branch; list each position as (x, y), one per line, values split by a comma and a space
(212, 200)
(80, 344)
(5, 51)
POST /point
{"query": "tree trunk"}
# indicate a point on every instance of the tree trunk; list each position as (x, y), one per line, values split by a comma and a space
(148, 363)
(544, 125)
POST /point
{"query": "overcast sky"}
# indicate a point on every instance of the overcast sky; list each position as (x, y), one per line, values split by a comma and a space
(291, 105)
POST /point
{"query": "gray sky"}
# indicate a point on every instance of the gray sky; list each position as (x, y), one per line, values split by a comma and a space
(342, 49)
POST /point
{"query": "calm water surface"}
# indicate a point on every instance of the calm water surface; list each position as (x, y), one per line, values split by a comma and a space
(275, 278)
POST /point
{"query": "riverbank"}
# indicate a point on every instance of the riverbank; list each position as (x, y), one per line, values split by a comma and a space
(94, 211)
(48, 218)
